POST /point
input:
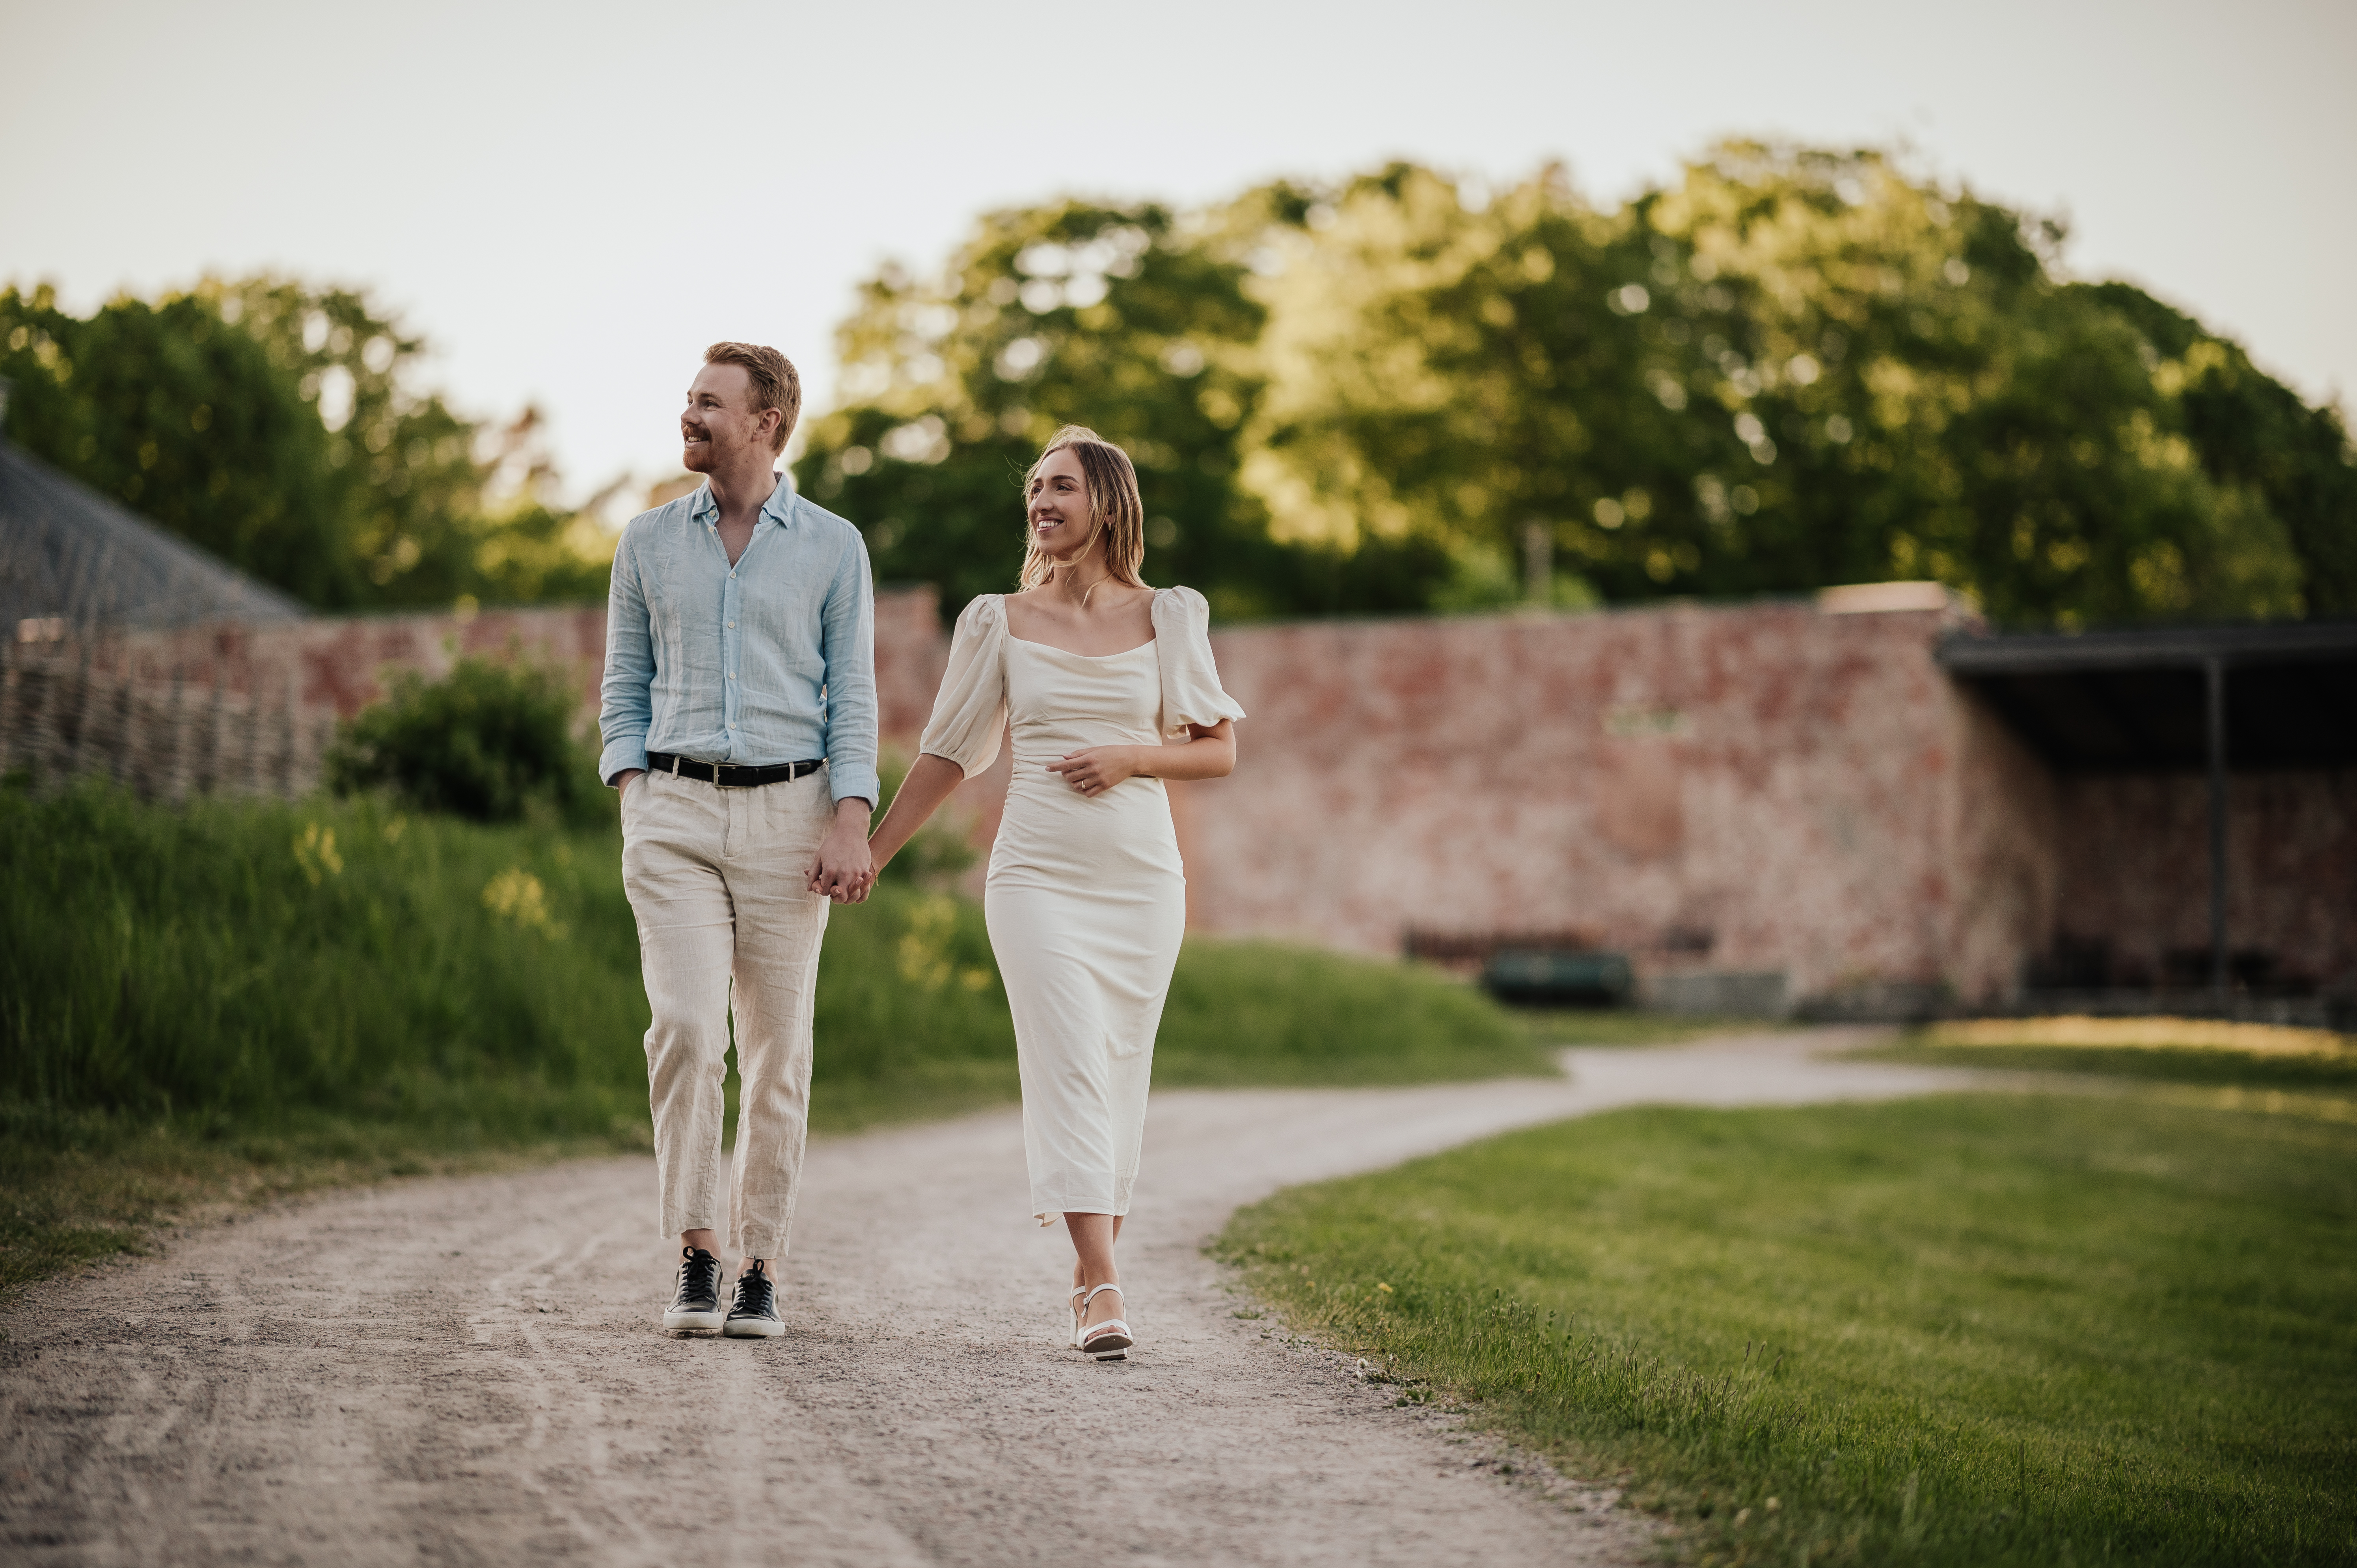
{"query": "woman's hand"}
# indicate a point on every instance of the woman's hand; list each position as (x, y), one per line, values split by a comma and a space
(1097, 769)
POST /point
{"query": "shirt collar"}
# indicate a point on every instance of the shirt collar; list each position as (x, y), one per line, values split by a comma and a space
(779, 509)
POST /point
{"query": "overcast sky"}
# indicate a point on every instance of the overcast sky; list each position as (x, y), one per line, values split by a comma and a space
(569, 201)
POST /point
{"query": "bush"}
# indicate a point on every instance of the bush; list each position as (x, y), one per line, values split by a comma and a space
(489, 741)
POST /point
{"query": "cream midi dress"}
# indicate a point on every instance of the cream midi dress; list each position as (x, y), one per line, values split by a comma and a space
(1086, 899)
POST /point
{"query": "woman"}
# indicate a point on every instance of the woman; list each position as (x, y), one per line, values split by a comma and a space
(1086, 898)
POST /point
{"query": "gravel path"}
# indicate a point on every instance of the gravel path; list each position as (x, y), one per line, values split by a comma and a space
(467, 1370)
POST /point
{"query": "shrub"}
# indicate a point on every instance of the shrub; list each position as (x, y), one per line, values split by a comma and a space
(489, 741)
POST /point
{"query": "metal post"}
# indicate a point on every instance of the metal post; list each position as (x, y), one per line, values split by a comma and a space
(1538, 563)
(2214, 669)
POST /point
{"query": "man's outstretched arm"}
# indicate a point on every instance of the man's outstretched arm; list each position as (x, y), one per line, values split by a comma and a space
(626, 696)
(844, 870)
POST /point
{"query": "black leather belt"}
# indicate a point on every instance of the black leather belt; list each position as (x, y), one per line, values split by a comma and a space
(728, 776)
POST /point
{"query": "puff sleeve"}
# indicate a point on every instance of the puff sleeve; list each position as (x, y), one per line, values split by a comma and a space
(1191, 681)
(970, 713)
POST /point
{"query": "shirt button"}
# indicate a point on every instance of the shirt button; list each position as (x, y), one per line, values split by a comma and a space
(732, 626)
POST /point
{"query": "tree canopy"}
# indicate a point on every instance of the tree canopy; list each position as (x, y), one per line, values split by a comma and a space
(279, 426)
(1791, 368)
(1127, 319)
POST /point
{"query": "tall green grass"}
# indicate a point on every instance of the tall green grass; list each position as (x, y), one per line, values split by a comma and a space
(238, 963)
(232, 963)
(1966, 1330)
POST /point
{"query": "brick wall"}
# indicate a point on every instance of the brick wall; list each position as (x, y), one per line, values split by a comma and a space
(1755, 789)
(1763, 790)
(340, 663)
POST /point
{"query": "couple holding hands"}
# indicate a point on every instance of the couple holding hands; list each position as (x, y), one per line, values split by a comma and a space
(738, 716)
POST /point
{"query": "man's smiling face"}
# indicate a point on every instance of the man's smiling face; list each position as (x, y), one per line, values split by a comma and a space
(720, 422)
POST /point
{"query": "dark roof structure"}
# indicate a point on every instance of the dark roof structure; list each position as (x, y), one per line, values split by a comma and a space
(2138, 700)
(71, 561)
(2176, 700)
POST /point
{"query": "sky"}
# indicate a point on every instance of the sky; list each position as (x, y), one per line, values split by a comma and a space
(569, 201)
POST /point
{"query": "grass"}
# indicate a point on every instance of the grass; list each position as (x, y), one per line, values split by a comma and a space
(1969, 1329)
(1263, 1014)
(236, 999)
(2168, 1050)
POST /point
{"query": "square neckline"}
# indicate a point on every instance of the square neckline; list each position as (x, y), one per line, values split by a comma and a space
(1008, 632)
(1069, 653)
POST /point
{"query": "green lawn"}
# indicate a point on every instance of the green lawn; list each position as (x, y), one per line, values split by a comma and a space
(238, 998)
(2166, 1050)
(1970, 1329)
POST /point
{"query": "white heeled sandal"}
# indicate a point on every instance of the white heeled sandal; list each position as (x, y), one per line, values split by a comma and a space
(1107, 1341)
(1079, 1311)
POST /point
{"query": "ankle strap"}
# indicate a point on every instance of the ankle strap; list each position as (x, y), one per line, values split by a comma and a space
(1096, 1292)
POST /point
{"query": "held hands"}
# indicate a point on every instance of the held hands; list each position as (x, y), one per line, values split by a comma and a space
(1097, 769)
(844, 870)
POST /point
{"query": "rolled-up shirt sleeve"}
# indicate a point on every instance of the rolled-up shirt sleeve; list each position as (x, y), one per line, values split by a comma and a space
(849, 627)
(626, 697)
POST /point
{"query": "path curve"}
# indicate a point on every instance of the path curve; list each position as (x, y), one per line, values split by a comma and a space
(467, 1370)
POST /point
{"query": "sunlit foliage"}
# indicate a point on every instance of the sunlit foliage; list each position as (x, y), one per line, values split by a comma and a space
(280, 426)
(1123, 318)
(1790, 369)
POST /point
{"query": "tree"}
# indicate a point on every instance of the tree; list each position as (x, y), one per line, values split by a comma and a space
(187, 420)
(1794, 369)
(1474, 380)
(1119, 318)
(1932, 401)
(2253, 431)
(276, 425)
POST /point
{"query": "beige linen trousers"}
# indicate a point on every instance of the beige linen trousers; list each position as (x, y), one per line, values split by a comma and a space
(719, 883)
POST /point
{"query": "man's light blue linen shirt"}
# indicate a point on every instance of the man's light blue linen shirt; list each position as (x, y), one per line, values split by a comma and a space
(770, 660)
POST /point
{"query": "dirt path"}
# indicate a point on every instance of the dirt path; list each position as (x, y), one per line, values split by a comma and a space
(468, 1372)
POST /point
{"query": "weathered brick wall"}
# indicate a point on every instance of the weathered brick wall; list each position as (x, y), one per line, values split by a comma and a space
(61, 718)
(2009, 838)
(1758, 788)
(251, 707)
(342, 662)
(1763, 787)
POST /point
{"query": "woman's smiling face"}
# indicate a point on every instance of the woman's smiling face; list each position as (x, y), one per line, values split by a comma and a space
(1059, 505)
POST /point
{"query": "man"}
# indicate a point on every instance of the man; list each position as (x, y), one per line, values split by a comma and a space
(739, 722)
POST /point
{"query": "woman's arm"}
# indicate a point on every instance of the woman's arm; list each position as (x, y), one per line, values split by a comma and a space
(930, 782)
(1209, 752)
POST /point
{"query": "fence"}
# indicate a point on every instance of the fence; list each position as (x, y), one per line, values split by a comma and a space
(63, 715)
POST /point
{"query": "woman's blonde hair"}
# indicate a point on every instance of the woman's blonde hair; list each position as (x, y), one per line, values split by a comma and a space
(1115, 510)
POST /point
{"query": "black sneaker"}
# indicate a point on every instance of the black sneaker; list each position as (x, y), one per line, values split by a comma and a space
(695, 1305)
(755, 1315)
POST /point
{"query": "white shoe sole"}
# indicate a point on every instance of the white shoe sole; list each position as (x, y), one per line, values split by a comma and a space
(693, 1322)
(751, 1328)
